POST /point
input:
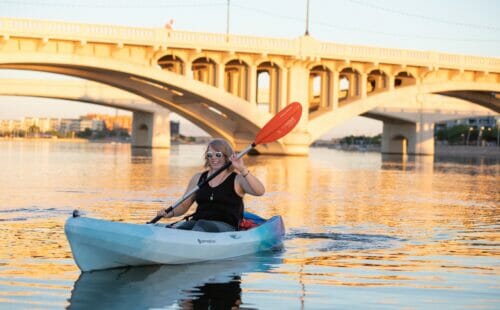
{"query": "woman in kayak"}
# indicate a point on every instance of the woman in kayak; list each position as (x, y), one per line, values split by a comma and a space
(220, 201)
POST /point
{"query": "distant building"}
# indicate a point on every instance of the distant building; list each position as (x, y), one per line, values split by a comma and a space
(68, 125)
(28, 122)
(5, 126)
(44, 124)
(55, 124)
(94, 122)
(97, 125)
(112, 122)
(85, 123)
(16, 125)
(475, 122)
(11, 127)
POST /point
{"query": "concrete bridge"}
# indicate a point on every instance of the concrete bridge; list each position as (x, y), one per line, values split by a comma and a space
(215, 80)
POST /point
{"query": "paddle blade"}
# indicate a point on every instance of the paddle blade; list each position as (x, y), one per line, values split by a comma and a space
(281, 124)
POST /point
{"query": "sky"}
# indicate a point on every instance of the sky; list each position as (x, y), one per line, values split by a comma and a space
(467, 27)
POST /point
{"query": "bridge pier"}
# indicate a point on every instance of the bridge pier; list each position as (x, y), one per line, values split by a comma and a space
(151, 130)
(408, 138)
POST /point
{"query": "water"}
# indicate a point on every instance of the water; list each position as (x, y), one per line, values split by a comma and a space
(363, 230)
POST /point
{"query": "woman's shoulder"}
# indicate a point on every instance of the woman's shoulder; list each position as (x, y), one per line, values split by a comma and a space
(196, 177)
(199, 176)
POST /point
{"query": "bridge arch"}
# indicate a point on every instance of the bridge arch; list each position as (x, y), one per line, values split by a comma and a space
(349, 85)
(404, 78)
(205, 70)
(429, 97)
(319, 88)
(236, 78)
(172, 63)
(218, 113)
(377, 81)
(268, 72)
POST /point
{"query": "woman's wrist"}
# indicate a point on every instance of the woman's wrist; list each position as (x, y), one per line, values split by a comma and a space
(244, 172)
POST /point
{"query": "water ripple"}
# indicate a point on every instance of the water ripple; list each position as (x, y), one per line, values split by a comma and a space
(24, 214)
(332, 241)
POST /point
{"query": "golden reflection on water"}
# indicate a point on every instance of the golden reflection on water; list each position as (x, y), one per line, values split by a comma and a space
(353, 219)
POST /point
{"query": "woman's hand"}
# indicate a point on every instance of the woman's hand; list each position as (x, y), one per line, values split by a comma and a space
(238, 164)
(162, 212)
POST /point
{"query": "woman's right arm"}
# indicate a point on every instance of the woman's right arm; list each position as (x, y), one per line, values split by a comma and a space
(186, 204)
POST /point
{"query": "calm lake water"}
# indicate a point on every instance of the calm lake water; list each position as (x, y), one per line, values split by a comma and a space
(363, 230)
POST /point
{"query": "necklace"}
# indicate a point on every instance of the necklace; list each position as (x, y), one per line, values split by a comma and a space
(217, 180)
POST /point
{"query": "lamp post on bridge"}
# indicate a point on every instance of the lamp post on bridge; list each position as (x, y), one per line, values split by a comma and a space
(307, 19)
(227, 19)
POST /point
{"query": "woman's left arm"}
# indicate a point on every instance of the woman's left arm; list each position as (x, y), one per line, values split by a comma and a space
(251, 184)
(248, 183)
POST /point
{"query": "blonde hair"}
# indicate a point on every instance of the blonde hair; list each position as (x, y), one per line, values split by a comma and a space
(219, 145)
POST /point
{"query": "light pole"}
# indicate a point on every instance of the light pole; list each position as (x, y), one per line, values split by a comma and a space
(498, 137)
(227, 20)
(479, 135)
(468, 135)
(498, 131)
(307, 19)
(489, 132)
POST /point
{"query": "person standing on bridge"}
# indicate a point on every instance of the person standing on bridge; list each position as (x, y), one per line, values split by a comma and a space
(220, 201)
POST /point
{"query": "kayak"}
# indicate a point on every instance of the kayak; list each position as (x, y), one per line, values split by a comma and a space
(99, 244)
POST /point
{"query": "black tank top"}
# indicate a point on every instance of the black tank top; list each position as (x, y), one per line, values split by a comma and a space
(220, 203)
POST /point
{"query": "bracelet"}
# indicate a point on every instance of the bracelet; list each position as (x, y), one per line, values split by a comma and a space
(245, 175)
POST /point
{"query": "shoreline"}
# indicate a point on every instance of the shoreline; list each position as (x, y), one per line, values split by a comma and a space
(197, 140)
(466, 150)
(439, 149)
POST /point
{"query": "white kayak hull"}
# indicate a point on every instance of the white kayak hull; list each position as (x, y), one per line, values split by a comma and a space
(99, 244)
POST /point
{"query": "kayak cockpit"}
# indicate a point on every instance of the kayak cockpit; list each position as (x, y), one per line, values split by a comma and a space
(250, 220)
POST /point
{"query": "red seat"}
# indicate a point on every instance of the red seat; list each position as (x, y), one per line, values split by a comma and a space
(246, 224)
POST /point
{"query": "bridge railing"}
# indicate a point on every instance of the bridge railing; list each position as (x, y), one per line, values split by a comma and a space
(75, 31)
(299, 47)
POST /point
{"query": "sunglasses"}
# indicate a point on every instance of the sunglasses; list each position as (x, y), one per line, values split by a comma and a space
(217, 154)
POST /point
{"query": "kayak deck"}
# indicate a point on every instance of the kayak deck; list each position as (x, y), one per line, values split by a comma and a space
(99, 244)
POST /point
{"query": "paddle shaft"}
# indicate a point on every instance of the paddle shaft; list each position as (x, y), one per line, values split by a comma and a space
(197, 187)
